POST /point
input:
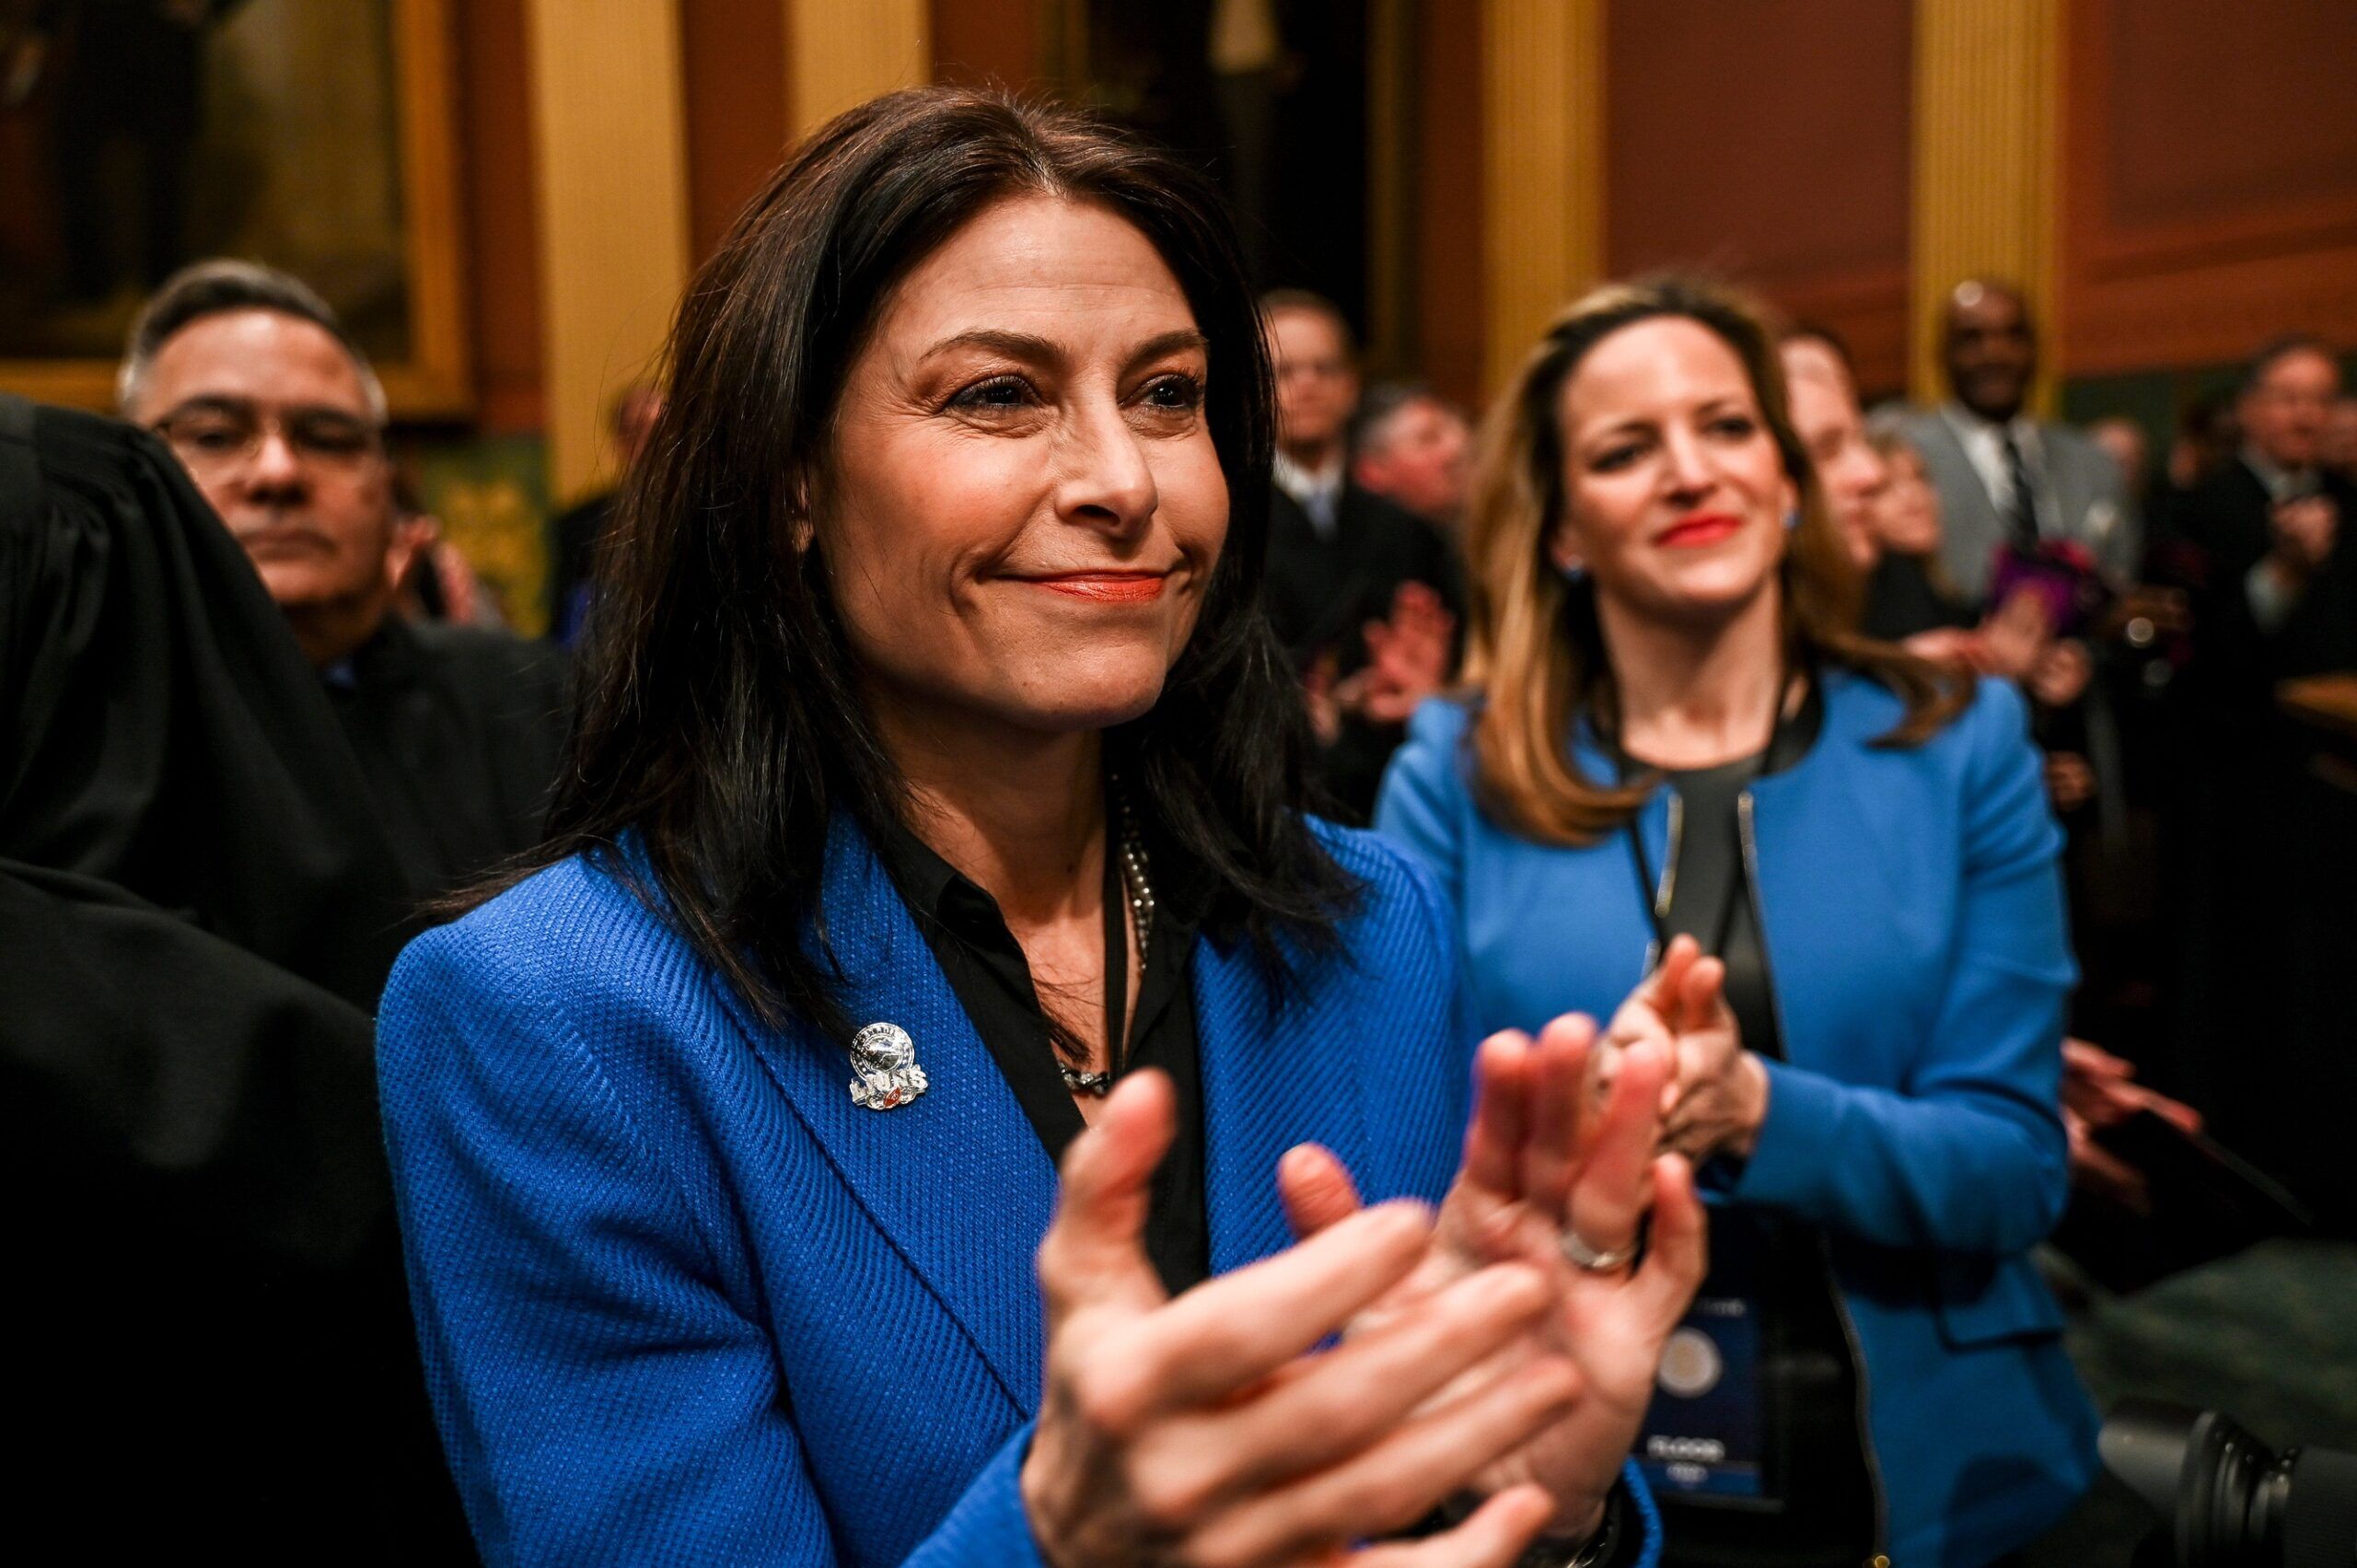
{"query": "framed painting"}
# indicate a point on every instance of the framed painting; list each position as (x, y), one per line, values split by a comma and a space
(139, 136)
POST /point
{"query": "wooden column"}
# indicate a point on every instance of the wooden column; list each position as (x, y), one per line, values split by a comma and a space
(1542, 79)
(612, 186)
(839, 52)
(1988, 74)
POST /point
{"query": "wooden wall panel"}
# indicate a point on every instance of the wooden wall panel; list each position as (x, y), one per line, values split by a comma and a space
(497, 181)
(1450, 312)
(730, 55)
(2210, 179)
(991, 43)
(1543, 154)
(1767, 140)
(839, 53)
(606, 104)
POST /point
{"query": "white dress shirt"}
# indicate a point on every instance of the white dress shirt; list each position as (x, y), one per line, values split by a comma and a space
(1984, 443)
(1319, 492)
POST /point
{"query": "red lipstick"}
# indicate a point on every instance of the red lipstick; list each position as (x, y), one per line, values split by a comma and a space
(1107, 587)
(1701, 528)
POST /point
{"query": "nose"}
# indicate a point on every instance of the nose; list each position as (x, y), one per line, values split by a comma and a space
(275, 470)
(1107, 483)
(1687, 466)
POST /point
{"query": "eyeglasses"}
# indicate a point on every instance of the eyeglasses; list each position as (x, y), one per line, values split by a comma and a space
(218, 440)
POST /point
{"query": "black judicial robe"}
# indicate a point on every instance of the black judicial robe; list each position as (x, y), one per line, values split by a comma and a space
(210, 1343)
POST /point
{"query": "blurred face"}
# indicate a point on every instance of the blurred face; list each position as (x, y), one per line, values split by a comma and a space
(272, 420)
(1420, 459)
(634, 422)
(2284, 415)
(2340, 435)
(1906, 516)
(2123, 439)
(1317, 387)
(1991, 353)
(1674, 492)
(1824, 414)
(1023, 505)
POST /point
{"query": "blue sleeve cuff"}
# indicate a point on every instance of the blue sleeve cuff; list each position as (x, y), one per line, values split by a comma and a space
(988, 1526)
(1788, 1160)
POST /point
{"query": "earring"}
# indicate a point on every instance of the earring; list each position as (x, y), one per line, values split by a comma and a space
(1792, 519)
(1573, 571)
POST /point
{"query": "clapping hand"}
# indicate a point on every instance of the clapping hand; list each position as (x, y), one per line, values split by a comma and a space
(1719, 1097)
(1210, 1429)
(2304, 530)
(1553, 1169)
(1407, 658)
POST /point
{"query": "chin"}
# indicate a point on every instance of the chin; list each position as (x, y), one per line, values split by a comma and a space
(1090, 691)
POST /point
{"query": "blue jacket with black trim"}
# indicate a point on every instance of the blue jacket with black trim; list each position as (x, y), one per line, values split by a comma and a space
(1911, 909)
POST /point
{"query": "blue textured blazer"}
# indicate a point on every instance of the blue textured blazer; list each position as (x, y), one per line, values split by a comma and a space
(682, 1301)
(1913, 919)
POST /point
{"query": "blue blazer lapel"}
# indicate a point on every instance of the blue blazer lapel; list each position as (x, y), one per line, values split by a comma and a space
(956, 1179)
(1270, 1080)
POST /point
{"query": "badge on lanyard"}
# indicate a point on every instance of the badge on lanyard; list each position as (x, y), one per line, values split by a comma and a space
(1705, 1434)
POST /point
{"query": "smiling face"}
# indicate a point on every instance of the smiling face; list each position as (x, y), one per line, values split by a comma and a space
(1023, 506)
(1988, 350)
(1675, 492)
(1826, 418)
(1907, 515)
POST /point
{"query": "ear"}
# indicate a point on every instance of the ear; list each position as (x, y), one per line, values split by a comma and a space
(801, 532)
(1563, 551)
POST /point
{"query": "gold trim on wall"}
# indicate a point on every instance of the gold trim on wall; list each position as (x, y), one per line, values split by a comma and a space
(613, 198)
(1988, 74)
(1542, 76)
(435, 380)
(839, 53)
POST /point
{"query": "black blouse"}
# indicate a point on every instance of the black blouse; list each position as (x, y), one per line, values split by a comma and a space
(1815, 1462)
(986, 968)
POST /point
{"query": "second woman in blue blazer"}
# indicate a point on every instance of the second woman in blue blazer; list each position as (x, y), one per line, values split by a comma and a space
(1673, 732)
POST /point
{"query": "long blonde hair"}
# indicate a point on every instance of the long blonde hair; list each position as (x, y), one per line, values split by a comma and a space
(1535, 657)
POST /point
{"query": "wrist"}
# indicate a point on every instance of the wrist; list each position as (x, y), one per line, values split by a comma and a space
(1752, 1073)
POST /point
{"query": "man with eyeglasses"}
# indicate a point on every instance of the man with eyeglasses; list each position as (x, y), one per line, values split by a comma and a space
(276, 415)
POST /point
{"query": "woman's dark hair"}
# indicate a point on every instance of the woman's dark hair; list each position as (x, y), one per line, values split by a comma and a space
(719, 719)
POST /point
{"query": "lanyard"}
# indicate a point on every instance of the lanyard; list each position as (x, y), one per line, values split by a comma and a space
(1789, 738)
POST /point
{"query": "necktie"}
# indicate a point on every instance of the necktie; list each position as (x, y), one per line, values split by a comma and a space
(2021, 505)
(1320, 506)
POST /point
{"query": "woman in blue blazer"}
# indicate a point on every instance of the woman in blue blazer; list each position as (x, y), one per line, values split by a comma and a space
(935, 772)
(1671, 736)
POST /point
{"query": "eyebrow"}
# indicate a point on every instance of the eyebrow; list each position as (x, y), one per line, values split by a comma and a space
(247, 408)
(1717, 402)
(1036, 350)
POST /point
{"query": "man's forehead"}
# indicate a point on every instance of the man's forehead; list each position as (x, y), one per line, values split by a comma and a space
(263, 358)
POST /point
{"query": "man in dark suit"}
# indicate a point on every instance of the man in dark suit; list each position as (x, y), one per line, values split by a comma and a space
(2006, 477)
(2262, 545)
(580, 531)
(250, 379)
(2259, 845)
(1362, 594)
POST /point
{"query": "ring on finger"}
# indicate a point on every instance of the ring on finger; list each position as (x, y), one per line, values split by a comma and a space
(1595, 1261)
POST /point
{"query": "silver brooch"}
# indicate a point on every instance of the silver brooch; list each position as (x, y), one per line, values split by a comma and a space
(886, 1060)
